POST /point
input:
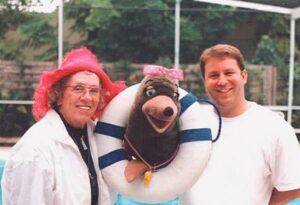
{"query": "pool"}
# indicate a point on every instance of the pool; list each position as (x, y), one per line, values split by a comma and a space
(294, 202)
(2, 162)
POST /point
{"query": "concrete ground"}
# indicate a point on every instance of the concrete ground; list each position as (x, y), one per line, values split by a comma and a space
(5, 144)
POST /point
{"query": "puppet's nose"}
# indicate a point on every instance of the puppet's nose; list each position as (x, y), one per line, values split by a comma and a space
(168, 111)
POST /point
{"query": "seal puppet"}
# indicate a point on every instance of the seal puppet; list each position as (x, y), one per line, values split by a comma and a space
(152, 134)
(161, 137)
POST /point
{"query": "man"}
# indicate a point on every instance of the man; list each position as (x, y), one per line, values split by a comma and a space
(256, 160)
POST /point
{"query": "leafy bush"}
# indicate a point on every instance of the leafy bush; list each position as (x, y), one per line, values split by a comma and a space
(14, 119)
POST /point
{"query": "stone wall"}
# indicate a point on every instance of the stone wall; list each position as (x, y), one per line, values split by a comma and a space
(21, 78)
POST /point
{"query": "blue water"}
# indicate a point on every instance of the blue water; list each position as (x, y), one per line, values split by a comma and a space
(122, 200)
(2, 162)
(294, 202)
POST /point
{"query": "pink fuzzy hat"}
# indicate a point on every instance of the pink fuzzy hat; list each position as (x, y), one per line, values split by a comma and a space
(75, 61)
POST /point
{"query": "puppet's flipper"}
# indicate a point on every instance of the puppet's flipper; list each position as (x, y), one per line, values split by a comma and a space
(134, 169)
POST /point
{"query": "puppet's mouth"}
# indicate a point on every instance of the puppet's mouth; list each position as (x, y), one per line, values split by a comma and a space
(159, 125)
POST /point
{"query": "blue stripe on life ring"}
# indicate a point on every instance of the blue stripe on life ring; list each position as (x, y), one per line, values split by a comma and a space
(111, 158)
(201, 134)
(186, 102)
(110, 130)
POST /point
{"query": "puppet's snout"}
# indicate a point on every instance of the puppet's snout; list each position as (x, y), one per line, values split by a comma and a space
(161, 112)
(161, 108)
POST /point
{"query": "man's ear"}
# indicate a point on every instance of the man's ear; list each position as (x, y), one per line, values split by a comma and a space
(244, 74)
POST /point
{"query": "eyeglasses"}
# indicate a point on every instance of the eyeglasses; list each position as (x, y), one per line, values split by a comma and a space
(81, 89)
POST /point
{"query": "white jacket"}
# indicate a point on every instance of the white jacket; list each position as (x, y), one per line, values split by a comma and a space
(45, 167)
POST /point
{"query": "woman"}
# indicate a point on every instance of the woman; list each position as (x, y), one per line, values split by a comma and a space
(55, 162)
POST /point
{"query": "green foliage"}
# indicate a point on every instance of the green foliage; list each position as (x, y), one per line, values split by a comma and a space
(270, 53)
(11, 50)
(267, 53)
(204, 26)
(103, 18)
(275, 25)
(143, 31)
(255, 80)
(13, 15)
(38, 31)
(131, 75)
(35, 31)
(277, 54)
(297, 70)
(297, 87)
(15, 119)
(297, 66)
(145, 39)
(191, 40)
(164, 61)
(274, 44)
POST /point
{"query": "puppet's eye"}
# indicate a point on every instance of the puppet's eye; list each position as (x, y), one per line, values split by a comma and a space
(150, 92)
(176, 96)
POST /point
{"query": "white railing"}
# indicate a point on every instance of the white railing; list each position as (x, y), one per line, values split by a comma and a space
(17, 102)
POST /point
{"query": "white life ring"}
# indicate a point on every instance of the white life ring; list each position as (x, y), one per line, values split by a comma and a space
(170, 181)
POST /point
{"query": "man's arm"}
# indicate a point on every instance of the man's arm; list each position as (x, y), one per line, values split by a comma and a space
(283, 197)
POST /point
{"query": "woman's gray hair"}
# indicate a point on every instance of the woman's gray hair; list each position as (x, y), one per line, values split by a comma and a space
(56, 91)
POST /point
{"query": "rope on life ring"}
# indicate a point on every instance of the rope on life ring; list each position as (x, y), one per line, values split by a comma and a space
(170, 181)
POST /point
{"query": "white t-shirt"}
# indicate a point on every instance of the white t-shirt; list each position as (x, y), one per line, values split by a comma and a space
(256, 151)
